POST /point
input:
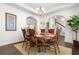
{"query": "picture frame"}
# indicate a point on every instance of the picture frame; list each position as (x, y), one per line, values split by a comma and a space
(10, 20)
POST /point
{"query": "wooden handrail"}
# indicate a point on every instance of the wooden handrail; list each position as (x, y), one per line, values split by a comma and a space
(60, 24)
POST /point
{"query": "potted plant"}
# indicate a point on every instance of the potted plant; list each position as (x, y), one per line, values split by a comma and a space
(73, 22)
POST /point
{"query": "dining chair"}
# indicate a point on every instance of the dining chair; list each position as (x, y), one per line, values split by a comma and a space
(26, 38)
(42, 31)
(53, 41)
(47, 41)
(56, 39)
(33, 41)
(40, 44)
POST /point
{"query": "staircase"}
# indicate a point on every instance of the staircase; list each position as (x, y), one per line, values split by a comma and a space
(58, 25)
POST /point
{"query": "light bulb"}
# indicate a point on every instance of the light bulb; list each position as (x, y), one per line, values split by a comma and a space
(37, 9)
(42, 8)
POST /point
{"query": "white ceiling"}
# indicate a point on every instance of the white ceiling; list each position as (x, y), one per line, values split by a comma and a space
(49, 7)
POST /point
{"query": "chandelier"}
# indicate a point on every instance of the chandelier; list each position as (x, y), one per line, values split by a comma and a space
(40, 11)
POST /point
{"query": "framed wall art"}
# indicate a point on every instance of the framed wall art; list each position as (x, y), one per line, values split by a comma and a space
(10, 20)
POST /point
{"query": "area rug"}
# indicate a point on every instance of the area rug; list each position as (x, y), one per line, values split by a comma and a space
(63, 51)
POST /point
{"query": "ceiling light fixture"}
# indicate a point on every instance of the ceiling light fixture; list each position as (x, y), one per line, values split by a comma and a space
(40, 11)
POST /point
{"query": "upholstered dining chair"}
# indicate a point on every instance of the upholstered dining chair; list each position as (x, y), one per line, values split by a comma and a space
(26, 38)
(47, 42)
(33, 40)
(53, 41)
(56, 41)
(42, 31)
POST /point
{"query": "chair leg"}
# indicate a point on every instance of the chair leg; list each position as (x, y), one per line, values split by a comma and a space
(23, 44)
(26, 46)
(38, 49)
(58, 47)
(55, 48)
(48, 46)
(29, 49)
(44, 48)
(35, 49)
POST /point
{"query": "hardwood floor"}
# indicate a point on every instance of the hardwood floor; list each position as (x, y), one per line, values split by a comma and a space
(61, 42)
(11, 50)
(69, 45)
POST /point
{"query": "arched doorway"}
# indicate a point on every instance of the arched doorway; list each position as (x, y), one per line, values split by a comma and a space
(31, 22)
